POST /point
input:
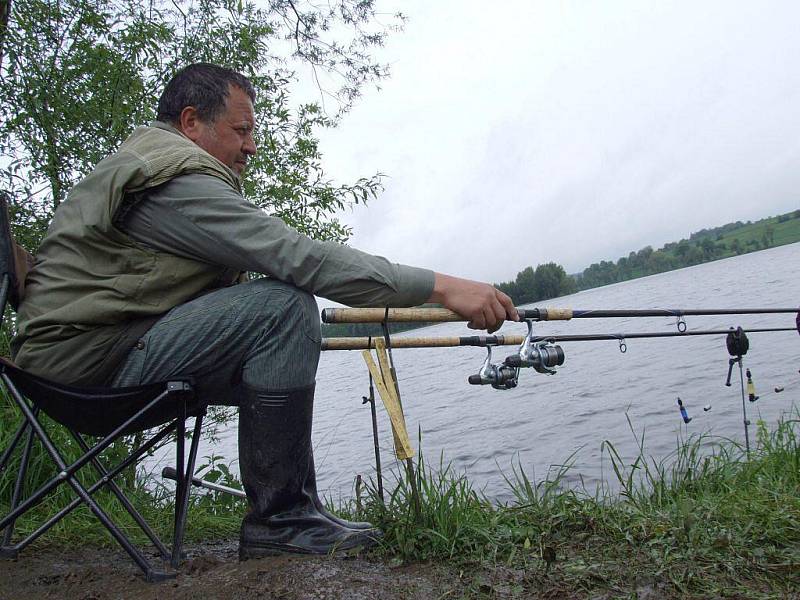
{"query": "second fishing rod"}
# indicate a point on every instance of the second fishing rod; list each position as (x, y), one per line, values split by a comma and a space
(441, 315)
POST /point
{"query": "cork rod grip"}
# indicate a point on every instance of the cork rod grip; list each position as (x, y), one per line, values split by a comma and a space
(555, 314)
(396, 315)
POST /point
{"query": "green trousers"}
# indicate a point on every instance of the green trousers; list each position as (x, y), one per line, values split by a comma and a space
(264, 333)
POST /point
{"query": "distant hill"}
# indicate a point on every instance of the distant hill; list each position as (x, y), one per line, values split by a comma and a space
(702, 246)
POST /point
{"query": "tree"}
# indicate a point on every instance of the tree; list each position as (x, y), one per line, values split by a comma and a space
(695, 255)
(5, 8)
(644, 253)
(526, 286)
(77, 75)
(682, 249)
(623, 268)
(769, 235)
(551, 281)
(658, 262)
(709, 247)
(547, 281)
(509, 288)
(736, 246)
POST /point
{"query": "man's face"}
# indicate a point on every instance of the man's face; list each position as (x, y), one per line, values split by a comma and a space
(230, 137)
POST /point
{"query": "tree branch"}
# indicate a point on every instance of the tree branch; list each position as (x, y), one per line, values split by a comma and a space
(5, 11)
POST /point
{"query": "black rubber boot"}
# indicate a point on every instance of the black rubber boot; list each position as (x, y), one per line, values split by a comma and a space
(357, 525)
(277, 467)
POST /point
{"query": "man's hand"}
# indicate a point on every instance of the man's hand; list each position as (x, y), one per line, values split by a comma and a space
(485, 306)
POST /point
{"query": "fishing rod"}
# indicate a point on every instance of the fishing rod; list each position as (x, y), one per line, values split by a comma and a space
(441, 315)
(367, 343)
(543, 355)
(540, 352)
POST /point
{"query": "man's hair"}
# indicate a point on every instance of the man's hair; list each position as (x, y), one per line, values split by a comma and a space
(203, 86)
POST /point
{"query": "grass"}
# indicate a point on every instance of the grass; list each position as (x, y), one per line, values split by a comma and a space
(692, 525)
(695, 525)
(785, 232)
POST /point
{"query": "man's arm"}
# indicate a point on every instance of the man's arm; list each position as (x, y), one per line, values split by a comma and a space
(201, 218)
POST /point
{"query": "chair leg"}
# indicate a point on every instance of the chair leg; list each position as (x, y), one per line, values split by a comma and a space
(182, 500)
(18, 485)
(64, 472)
(129, 461)
(12, 446)
(67, 473)
(107, 478)
(149, 573)
(180, 485)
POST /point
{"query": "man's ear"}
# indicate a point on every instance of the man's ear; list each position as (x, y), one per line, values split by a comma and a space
(190, 124)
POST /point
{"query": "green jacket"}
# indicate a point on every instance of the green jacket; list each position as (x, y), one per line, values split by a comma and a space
(93, 290)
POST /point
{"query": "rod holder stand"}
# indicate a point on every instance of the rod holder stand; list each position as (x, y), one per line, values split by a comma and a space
(731, 362)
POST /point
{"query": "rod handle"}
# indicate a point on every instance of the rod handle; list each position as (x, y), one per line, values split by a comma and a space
(429, 315)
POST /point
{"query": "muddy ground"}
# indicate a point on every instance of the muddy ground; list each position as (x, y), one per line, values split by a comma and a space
(213, 571)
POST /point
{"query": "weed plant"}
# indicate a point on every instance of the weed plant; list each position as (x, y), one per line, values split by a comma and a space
(692, 525)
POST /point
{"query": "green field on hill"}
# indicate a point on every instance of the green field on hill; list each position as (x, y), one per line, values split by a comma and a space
(702, 246)
(785, 232)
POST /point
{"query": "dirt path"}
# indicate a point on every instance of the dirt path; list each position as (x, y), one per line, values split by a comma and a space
(212, 571)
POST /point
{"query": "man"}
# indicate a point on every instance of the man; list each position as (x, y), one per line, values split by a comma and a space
(134, 283)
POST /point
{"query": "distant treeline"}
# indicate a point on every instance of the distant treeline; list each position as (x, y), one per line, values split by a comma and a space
(550, 280)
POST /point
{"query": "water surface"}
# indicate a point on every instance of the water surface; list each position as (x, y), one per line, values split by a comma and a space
(548, 419)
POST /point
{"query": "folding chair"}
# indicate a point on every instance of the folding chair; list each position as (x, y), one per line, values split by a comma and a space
(103, 413)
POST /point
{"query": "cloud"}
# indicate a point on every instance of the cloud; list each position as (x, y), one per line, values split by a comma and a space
(572, 132)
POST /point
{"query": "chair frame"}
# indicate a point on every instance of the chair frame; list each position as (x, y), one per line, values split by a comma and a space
(168, 404)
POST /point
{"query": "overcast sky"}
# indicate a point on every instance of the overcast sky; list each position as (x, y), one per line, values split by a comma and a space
(517, 133)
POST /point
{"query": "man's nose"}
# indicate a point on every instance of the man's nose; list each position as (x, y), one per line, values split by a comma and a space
(249, 146)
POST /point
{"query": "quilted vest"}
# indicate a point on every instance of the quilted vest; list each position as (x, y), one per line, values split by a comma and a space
(91, 282)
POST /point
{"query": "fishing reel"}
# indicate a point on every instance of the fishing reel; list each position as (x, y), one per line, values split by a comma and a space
(541, 356)
(500, 376)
